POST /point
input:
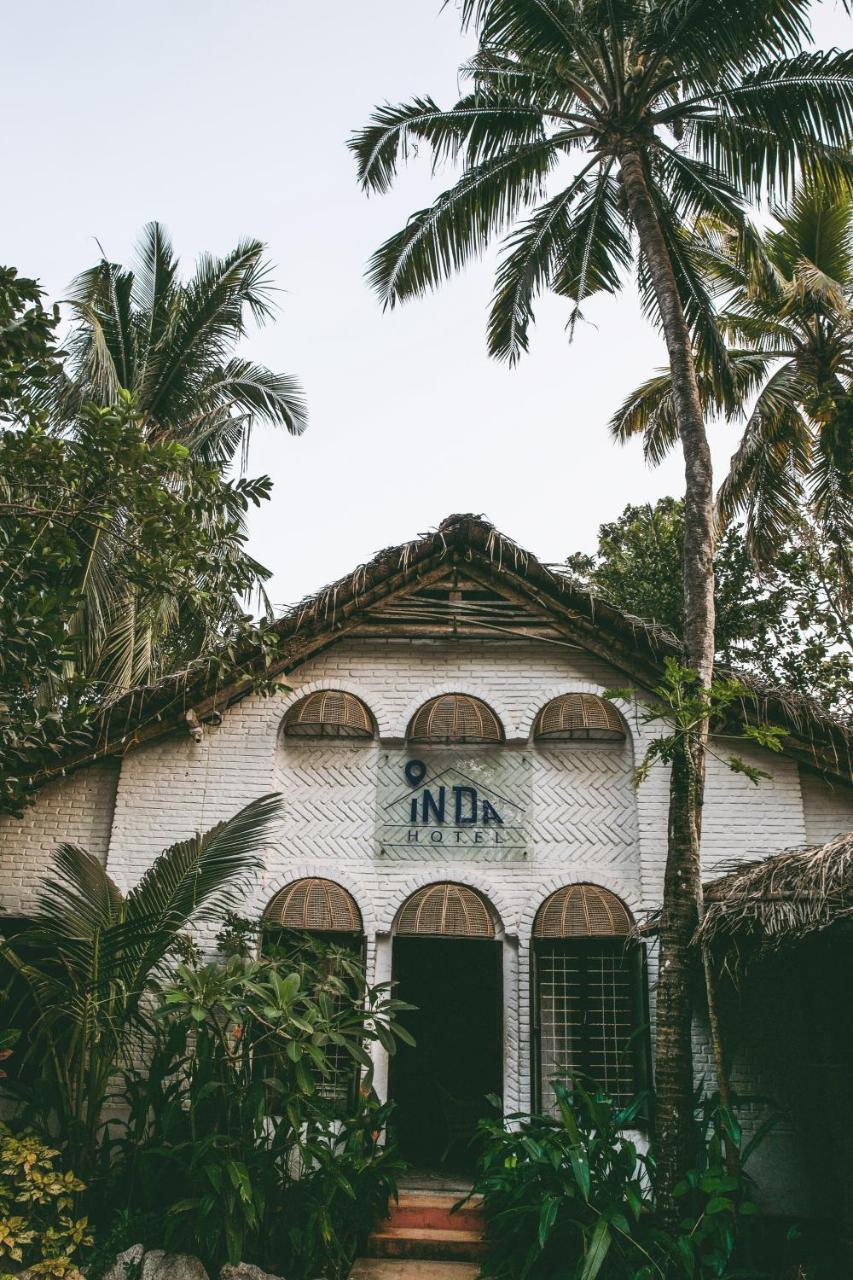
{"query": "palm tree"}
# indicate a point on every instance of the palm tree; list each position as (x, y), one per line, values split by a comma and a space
(789, 311)
(82, 969)
(170, 344)
(591, 124)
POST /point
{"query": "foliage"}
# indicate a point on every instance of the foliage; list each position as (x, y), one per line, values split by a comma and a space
(82, 971)
(786, 625)
(787, 315)
(575, 1197)
(685, 705)
(28, 358)
(245, 1138)
(161, 527)
(122, 549)
(38, 1229)
(169, 343)
(716, 98)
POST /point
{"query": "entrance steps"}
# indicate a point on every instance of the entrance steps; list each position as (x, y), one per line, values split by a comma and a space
(421, 1228)
(411, 1269)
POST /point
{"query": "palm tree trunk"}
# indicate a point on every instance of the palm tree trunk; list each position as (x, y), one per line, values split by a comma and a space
(682, 897)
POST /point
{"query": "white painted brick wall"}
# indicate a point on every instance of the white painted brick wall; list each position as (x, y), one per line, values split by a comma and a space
(77, 809)
(587, 822)
(828, 808)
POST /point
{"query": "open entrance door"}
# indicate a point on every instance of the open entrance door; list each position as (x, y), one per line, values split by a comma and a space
(440, 1085)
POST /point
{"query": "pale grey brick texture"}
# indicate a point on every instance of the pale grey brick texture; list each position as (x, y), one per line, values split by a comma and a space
(586, 823)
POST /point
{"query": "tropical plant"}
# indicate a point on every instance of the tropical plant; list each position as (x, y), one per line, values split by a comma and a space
(85, 966)
(175, 537)
(170, 344)
(786, 625)
(246, 1138)
(788, 311)
(39, 1232)
(122, 558)
(573, 1196)
(673, 110)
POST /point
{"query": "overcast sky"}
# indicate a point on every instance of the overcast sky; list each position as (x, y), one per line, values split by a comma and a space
(225, 120)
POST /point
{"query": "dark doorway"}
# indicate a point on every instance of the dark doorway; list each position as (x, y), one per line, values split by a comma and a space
(440, 1085)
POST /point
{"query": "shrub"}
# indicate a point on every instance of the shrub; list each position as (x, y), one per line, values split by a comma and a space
(246, 1138)
(573, 1197)
(38, 1229)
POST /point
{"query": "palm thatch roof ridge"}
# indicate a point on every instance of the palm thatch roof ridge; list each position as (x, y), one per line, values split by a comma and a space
(780, 899)
(634, 646)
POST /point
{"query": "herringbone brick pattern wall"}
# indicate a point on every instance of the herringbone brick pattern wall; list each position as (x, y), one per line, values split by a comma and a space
(586, 822)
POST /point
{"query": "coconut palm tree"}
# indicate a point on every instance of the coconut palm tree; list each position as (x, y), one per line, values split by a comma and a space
(170, 344)
(81, 970)
(591, 128)
(789, 312)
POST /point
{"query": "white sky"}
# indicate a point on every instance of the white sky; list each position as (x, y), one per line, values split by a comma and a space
(225, 120)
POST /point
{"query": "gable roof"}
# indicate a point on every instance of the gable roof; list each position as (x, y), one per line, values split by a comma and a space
(420, 587)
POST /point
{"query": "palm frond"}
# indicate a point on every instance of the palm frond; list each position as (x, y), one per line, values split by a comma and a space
(528, 265)
(441, 239)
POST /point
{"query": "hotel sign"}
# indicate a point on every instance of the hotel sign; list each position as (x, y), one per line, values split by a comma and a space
(453, 804)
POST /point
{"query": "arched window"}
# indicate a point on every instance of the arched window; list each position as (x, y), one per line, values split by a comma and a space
(325, 911)
(314, 906)
(328, 713)
(455, 718)
(590, 997)
(446, 909)
(579, 715)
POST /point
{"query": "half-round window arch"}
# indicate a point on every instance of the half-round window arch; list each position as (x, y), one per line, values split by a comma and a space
(579, 715)
(455, 718)
(329, 713)
(314, 905)
(446, 909)
(582, 911)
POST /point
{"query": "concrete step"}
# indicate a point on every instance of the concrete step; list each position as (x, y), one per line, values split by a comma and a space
(411, 1269)
(427, 1243)
(434, 1210)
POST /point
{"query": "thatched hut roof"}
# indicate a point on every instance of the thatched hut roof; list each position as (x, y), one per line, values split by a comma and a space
(635, 647)
(781, 899)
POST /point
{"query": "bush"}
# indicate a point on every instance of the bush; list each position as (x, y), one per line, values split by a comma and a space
(573, 1198)
(247, 1138)
(38, 1229)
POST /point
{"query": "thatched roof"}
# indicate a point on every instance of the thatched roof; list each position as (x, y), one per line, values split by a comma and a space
(635, 647)
(780, 899)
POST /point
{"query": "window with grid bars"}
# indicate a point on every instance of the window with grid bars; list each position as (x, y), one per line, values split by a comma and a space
(589, 1008)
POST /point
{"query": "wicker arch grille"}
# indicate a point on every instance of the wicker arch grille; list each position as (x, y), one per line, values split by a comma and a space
(582, 911)
(448, 910)
(316, 906)
(329, 713)
(455, 717)
(579, 715)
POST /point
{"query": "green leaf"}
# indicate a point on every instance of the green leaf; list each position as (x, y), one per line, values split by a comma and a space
(597, 1251)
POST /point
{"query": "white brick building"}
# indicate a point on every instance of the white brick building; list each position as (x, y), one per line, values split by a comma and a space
(461, 612)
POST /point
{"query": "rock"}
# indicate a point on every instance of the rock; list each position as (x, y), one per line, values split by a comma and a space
(158, 1265)
(155, 1264)
(244, 1271)
(126, 1265)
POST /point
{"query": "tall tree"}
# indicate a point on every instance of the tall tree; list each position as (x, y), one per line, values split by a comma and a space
(613, 121)
(787, 626)
(788, 312)
(171, 344)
